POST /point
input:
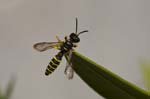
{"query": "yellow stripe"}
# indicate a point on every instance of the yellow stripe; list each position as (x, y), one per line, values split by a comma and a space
(57, 59)
(54, 63)
(49, 70)
(51, 66)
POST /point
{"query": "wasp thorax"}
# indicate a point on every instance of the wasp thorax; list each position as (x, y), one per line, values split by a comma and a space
(68, 45)
(74, 38)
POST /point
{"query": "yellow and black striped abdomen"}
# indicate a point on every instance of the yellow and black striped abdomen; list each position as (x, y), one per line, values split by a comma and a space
(52, 65)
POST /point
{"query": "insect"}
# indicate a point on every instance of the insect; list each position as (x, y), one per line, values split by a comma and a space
(65, 49)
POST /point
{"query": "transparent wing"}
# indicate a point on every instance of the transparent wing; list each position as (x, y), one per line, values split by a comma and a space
(69, 72)
(43, 46)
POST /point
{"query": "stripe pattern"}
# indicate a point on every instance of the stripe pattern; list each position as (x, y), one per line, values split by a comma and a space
(52, 65)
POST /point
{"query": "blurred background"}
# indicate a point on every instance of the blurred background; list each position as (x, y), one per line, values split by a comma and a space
(118, 39)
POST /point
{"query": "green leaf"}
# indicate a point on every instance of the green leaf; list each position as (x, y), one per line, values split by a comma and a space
(103, 81)
(145, 67)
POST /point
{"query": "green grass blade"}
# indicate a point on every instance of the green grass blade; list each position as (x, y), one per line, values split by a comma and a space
(145, 67)
(104, 82)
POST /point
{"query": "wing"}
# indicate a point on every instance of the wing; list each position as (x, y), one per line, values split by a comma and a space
(43, 46)
(69, 72)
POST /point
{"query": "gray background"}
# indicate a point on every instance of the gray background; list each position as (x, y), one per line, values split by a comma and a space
(118, 39)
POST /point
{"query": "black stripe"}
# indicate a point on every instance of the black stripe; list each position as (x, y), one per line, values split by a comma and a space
(53, 65)
(55, 61)
(51, 69)
(47, 72)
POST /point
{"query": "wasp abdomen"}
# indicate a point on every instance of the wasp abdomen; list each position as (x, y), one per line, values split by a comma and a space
(53, 64)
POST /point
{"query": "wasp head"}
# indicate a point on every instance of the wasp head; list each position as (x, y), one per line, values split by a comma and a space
(74, 37)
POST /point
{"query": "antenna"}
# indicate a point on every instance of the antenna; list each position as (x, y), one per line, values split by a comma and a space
(77, 28)
(76, 25)
(82, 32)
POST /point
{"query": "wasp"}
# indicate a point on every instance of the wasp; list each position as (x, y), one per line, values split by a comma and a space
(65, 48)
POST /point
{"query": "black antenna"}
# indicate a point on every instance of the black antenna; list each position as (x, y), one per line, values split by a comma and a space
(82, 32)
(76, 25)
